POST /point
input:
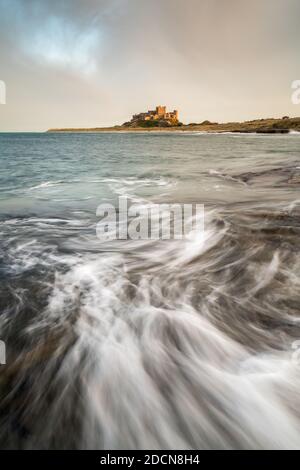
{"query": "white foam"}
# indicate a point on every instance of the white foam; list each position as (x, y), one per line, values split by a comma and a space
(161, 373)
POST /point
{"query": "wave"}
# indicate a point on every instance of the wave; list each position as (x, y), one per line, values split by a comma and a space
(130, 187)
(181, 344)
(45, 184)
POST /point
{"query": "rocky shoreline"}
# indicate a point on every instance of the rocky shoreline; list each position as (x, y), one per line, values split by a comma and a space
(259, 126)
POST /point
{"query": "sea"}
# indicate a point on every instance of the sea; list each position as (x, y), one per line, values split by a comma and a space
(190, 343)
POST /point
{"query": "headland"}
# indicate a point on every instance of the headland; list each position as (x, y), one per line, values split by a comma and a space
(161, 120)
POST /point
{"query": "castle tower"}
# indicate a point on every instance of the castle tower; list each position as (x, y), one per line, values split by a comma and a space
(161, 111)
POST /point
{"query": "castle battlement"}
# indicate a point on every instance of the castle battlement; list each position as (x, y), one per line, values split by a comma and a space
(159, 114)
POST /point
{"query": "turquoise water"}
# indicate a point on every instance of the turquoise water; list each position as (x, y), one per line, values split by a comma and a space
(140, 344)
(67, 171)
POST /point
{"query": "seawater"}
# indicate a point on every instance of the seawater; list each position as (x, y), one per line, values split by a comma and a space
(150, 344)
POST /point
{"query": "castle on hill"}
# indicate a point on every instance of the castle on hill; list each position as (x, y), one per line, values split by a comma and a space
(159, 116)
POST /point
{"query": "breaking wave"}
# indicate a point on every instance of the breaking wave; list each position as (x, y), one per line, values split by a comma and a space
(184, 344)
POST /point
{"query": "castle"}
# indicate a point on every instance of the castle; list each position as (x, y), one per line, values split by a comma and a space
(159, 114)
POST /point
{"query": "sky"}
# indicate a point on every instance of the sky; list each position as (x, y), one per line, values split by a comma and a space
(89, 63)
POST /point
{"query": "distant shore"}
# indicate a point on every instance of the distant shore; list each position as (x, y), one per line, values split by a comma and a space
(261, 126)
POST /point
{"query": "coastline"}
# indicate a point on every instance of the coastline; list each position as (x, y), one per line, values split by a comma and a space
(260, 126)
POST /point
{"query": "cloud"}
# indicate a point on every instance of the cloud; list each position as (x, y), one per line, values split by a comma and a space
(60, 44)
(211, 59)
(52, 32)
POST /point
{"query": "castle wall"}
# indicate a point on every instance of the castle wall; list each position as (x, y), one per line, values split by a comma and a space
(159, 113)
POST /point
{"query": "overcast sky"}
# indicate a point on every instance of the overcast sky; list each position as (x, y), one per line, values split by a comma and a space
(73, 63)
